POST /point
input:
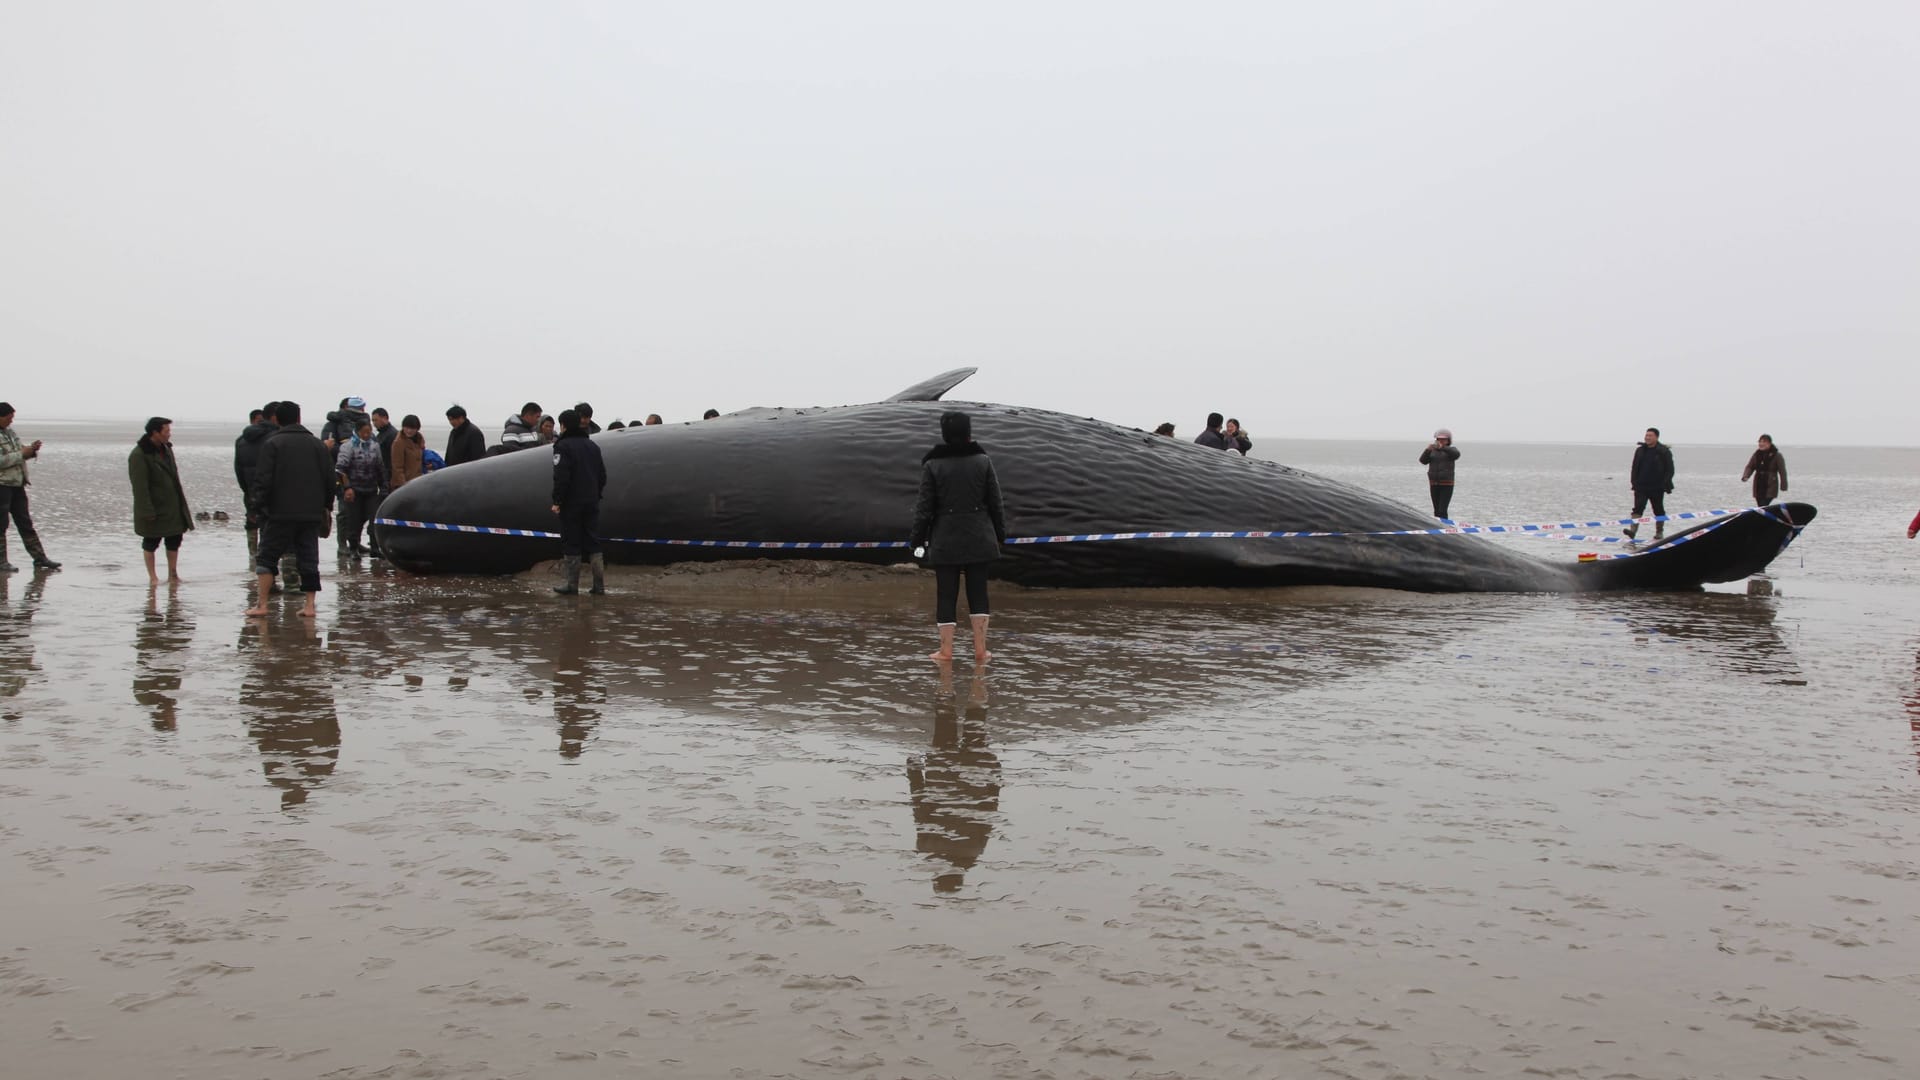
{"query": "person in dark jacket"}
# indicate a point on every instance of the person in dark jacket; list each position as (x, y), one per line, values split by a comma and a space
(579, 478)
(384, 433)
(160, 513)
(246, 452)
(586, 418)
(1768, 470)
(961, 522)
(1212, 437)
(1439, 457)
(464, 442)
(1235, 437)
(293, 487)
(343, 422)
(523, 431)
(1652, 480)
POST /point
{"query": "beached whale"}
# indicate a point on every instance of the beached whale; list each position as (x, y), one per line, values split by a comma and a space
(839, 483)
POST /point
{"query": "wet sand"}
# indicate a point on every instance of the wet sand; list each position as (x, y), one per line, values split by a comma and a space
(731, 823)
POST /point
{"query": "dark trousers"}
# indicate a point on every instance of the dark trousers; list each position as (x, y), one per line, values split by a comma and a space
(1642, 498)
(13, 504)
(580, 530)
(1442, 498)
(355, 514)
(946, 581)
(300, 537)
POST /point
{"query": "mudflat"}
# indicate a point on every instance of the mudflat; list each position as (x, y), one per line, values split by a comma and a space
(729, 822)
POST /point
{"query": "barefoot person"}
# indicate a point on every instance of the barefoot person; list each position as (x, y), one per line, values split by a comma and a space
(293, 487)
(961, 521)
(160, 513)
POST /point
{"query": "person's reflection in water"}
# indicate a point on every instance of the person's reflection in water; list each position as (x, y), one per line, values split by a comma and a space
(288, 694)
(955, 785)
(16, 638)
(158, 642)
(578, 692)
(1913, 707)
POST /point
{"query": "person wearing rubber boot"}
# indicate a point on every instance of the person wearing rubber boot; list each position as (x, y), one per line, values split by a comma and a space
(13, 494)
(293, 486)
(961, 521)
(579, 479)
(1652, 479)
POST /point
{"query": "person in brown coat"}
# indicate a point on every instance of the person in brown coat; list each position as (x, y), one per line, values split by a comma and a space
(407, 452)
(1768, 470)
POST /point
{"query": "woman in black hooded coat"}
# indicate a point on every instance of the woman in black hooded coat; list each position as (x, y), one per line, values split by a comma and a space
(961, 521)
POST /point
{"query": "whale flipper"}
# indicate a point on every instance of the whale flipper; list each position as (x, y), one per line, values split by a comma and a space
(931, 389)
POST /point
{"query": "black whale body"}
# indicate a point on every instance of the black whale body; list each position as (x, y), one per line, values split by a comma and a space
(850, 473)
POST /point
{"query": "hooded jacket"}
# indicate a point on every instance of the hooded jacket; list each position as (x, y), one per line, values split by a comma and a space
(342, 423)
(294, 478)
(159, 503)
(959, 514)
(246, 451)
(518, 434)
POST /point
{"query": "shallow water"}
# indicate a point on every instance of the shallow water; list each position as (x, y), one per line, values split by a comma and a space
(718, 825)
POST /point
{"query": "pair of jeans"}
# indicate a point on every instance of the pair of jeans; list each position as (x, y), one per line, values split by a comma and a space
(356, 514)
(1442, 498)
(13, 504)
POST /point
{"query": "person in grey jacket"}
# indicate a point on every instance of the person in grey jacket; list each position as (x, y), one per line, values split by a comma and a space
(1439, 457)
(961, 522)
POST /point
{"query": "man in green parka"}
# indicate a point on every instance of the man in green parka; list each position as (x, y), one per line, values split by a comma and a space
(160, 513)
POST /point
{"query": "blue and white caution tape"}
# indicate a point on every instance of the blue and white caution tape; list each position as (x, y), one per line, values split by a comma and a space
(762, 545)
(1546, 530)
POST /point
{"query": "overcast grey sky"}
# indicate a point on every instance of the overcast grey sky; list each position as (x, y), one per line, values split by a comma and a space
(1522, 220)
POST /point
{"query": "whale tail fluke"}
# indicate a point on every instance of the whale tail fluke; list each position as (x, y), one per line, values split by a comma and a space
(1712, 551)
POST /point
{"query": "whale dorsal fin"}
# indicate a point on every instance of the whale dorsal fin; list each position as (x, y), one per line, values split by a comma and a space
(931, 389)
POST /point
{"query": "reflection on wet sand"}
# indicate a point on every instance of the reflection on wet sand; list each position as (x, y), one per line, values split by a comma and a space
(1081, 662)
(16, 636)
(955, 785)
(1739, 633)
(579, 690)
(287, 694)
(1913, 706)
(159, 641)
